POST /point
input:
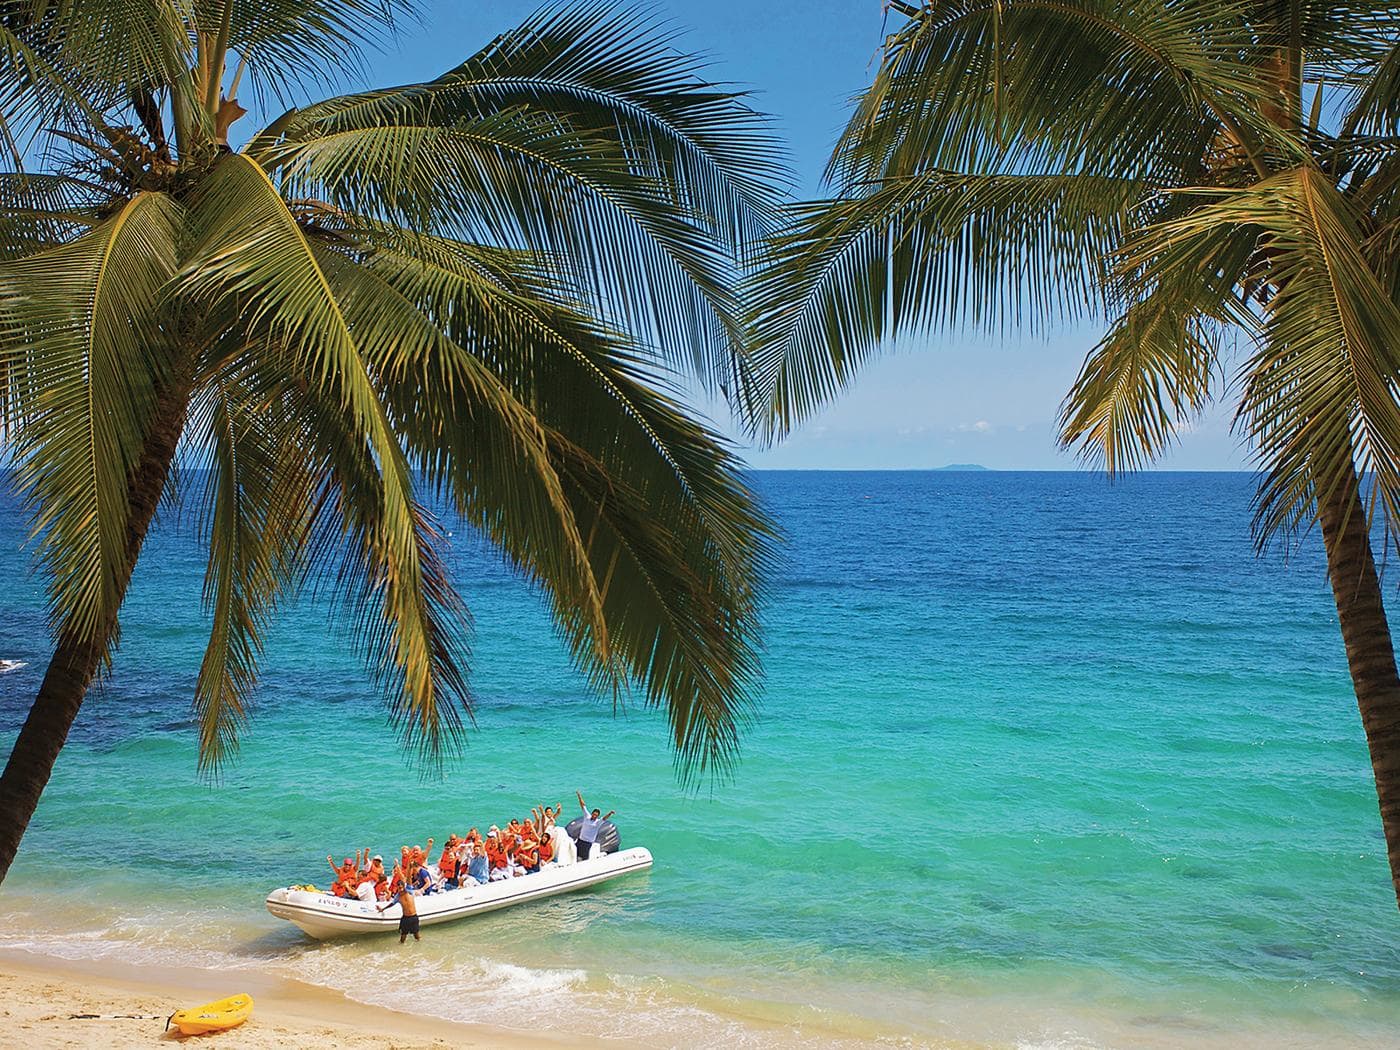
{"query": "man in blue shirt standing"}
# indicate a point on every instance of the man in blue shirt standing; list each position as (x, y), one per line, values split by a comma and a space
(589, 828)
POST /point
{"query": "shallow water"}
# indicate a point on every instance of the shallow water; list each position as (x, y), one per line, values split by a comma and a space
(1041, 762)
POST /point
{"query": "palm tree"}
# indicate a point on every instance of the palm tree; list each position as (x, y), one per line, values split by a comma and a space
(1218, 179)
(480, 290)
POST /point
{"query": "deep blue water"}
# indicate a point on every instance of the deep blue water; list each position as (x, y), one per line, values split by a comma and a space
(1041, 760)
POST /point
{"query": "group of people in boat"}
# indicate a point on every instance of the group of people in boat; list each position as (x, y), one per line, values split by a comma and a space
(522, 847)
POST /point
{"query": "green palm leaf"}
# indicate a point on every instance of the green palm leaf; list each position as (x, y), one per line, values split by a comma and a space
(82, 358)
(251, 252)
(668, 537)
(261, 506)
(615, 178)
(918, 254)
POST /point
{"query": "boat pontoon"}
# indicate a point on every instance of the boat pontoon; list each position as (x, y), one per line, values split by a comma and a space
(324, 915)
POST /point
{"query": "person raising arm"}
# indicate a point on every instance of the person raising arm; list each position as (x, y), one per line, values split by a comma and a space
(588, 830)
(345, 876)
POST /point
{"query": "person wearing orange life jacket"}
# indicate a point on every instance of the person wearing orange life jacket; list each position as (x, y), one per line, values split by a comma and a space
(527, 855)
(365, 888)
(497, 860)
(508, 848)
(546, 850)
(447, 863)
(345, 876)
(399, 876)
(518, 854)
(380, 877)
(419, 855)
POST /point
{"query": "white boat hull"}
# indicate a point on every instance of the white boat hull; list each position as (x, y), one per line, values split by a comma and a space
(323, 915)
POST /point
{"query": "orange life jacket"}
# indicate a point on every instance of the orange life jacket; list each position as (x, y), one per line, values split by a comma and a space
(344, 880)
(546, 851)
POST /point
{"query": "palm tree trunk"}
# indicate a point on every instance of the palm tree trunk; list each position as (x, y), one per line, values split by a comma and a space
(76, 658)
(1370, 653)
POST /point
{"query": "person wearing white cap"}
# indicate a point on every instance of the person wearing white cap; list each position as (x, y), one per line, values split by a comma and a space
(372, 880)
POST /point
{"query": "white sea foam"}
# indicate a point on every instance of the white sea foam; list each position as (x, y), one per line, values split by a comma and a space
(86, 945)
(459, 987)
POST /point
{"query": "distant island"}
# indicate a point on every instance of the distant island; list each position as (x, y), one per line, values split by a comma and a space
(963, 466)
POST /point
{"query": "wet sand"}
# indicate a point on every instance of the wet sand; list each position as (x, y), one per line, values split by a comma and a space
(40, 994)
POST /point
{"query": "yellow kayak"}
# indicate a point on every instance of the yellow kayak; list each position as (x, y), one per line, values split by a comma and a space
(214, 1017)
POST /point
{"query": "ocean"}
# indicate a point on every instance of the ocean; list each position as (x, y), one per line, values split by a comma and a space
(1041, 762)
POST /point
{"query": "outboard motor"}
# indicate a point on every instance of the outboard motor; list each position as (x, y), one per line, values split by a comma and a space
(609, 840)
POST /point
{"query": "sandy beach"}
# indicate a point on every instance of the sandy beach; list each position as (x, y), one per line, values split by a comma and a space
(42, 994)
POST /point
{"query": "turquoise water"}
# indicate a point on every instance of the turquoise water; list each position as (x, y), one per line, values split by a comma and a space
(1041, 762)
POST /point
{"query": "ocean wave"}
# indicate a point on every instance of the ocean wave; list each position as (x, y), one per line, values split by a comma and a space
(472, 990)
(487, 991)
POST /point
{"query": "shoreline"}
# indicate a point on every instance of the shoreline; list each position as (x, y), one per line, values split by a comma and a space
(42, 991)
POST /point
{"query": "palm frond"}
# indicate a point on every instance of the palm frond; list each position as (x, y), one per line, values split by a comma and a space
(260, 507)
(292, 45)
(1319, 394)
(64, 64)
(1321, 398)
(251, 252)
(459, 422)
(1177, 299)
(42, 211)
(83, 352)
(638, 179)
(605, 70)
(930, 252)
(1150, 375)
(1374, 105)
(1090, 86)
(669, 541)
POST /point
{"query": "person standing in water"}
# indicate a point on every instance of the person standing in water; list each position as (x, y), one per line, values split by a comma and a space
(408, 921)
(589, 828)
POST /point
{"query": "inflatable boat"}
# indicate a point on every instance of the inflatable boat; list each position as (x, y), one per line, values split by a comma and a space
(323, 915)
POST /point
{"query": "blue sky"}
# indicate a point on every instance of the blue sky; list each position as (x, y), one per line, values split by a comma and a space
(960, 399)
